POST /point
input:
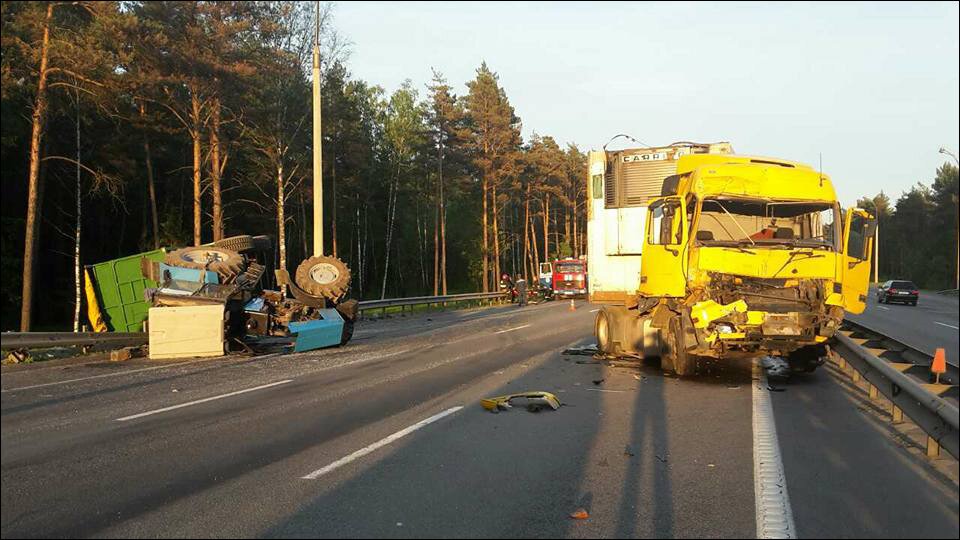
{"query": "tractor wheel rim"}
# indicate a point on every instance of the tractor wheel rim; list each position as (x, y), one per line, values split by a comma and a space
(204, 256)
(324, 273)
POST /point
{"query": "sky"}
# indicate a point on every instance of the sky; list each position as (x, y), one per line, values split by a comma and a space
(869, 88)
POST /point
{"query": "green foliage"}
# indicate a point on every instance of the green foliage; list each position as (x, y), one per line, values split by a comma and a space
(136, 68)
(918, 235)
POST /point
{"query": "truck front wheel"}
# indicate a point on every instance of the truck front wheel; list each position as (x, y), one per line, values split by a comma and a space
(676, 357)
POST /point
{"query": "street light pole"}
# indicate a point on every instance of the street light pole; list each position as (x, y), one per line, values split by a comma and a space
(317, 147)
(956, 281)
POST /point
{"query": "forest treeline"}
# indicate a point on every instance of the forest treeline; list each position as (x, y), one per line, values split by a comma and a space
(919, 232)
(129, 126)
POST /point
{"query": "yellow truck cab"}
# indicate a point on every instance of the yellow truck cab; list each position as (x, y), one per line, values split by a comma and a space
(743, 256)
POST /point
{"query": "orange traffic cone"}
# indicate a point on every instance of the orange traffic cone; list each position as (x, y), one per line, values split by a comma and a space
(939, 364)
(573, 307)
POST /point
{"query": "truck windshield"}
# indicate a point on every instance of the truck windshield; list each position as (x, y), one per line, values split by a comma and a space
(730, 221)
(569, 268)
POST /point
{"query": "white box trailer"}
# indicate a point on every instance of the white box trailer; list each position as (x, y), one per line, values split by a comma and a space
(619, 186)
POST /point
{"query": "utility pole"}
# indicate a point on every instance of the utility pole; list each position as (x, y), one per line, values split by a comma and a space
(956, 281)
(317, 147)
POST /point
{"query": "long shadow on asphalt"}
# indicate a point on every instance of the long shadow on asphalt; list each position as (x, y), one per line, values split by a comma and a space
(516, 474)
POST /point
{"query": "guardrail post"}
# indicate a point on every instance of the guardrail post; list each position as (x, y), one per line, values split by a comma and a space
(933, 447)
(897, 414)
(874, 392)
(856, 376)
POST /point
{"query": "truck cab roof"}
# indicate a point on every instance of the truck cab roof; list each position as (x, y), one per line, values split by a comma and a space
(714, 175)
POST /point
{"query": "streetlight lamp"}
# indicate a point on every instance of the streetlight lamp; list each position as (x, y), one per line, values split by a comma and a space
(957, 276)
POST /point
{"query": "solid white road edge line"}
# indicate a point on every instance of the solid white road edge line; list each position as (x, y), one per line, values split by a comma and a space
(512, 329)
(947, 325)
(204, 400)
(379, 444)
(774, 517)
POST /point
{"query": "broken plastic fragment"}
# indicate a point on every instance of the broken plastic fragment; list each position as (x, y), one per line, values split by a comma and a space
(580, 513)
(536, 401)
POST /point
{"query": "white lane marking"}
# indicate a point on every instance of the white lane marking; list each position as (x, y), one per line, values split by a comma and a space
(204, 400)
(117, 374)
(512, 329)
(947, 325)
(610, 391)
(379, 444)
(884, 308)
(594, 310)
(774, 517)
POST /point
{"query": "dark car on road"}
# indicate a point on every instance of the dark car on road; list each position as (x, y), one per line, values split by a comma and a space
(898, 291)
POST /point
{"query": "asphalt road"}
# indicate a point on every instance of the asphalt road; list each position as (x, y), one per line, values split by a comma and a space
(931, 324)
(221, 448)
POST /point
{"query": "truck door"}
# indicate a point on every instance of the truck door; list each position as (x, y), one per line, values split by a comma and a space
(663, 270)
(860, 228)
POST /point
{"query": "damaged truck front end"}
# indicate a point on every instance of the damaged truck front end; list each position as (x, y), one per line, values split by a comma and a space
(743, 257)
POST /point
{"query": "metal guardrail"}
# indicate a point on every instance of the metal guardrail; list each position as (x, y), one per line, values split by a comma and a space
(937, 417)
(34, 340)
(949, 292)
(421, 300)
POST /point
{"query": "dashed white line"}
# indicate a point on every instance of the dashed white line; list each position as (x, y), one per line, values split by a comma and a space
(884, 308)
(594, 310)
(379, 444)
(204, 400)
(947, 325)
(512, 329)
(774, 516)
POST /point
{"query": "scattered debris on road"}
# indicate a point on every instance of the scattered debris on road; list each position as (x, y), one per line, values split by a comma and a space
(580, 513)
(776, 367)
(598, 381)
(534, 401)
(628, 451)
(585, 350)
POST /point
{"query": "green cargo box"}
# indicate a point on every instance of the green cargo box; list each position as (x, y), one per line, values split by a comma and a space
(119, 285)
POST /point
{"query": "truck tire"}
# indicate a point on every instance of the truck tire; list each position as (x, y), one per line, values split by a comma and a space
(240, 244)
(678, 359)
(324, 276)
(604, 334)
(225, 262)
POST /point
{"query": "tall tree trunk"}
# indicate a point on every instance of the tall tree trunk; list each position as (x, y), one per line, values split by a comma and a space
(436, 240)
(535, 250)
(546, 227)
(486, 250)
(496, 235)
(77, 289)
(566, 229)
(281, 222)
(576, 235)
(443, 240)
(333, 206)
(195, 134)
(148, 160)
(391, 212)
(30, 234)
(526, 234)
(216, 170)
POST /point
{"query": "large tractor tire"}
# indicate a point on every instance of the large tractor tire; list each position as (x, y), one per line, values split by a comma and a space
(324, 276)
(240, 244)
(225, 262)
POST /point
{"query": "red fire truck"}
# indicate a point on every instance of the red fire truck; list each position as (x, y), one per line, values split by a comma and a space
(570, 278)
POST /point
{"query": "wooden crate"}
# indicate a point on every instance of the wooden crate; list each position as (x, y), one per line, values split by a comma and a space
(186, 331)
